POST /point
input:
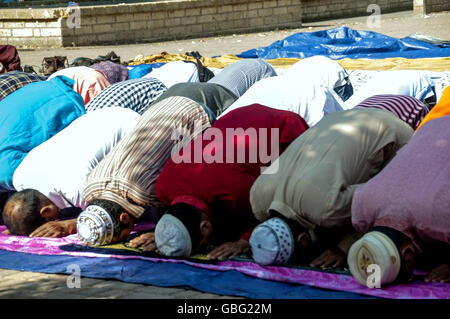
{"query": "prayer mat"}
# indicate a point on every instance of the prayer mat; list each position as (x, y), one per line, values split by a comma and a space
(33, 254)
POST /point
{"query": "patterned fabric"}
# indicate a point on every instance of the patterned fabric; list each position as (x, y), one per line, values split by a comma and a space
(407, 108)
(127, 175)
(135, 94)
(14, 80)
(113, 71)
(241, 75)
(272, 242)
(95, 226)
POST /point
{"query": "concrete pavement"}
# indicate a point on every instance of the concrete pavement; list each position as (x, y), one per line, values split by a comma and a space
(399, 24)
(24, 285)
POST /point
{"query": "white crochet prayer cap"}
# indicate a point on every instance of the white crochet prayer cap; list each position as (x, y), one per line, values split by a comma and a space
(272, 242)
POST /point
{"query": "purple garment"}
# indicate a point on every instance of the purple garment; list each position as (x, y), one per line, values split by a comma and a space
(412, 193)
(113, 71)
(407, 108)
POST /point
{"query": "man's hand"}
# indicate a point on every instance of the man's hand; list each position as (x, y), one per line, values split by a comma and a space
(439, 274)
(329, 258)
(229, 250)
(56, 229)
(146, 241)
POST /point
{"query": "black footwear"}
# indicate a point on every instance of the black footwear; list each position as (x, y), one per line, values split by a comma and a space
(111, 56)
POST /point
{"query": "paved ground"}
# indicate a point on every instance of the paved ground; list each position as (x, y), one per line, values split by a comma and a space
(15, 284)
(397, 24)
(20, 285)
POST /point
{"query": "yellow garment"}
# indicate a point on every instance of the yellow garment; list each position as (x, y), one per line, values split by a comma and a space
(440, 109)
(431, 64)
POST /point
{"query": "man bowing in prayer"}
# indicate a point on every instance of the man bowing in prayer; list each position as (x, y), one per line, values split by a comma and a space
(51, 178)
(122, 185)
(305, 206)
(207, 184)
(404, 211)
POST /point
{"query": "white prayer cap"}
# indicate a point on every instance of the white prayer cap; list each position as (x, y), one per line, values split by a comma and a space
(172, 237)
(94, 226)
(378, 249)
(272, 242)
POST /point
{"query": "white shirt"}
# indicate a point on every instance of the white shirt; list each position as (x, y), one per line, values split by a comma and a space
(59, 167)
(406, 82)
(319, 70)
(309, 101)
(175, 72)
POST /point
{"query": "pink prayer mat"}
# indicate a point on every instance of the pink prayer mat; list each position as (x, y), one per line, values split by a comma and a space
(413, 290)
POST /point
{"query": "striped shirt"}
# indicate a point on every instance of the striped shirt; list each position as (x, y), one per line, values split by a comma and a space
(241, 75)
(132, 94)
(407, 108)
(14, 80)
(127, 175)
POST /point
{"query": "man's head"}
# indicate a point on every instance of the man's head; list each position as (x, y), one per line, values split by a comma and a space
(279, 240)
(183, 231)
(104, 222)
(386, 248)
(27, 210)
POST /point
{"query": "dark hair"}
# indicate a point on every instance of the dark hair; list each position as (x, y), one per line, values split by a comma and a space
(294, 226)
(26, 217)
(296, 230)
(191, 218)
(114, 210)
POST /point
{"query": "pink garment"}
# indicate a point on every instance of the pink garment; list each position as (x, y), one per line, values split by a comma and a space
(88, 82)
(412, 193)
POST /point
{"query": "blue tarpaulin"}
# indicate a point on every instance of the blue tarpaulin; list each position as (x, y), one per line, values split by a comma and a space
(343, 42)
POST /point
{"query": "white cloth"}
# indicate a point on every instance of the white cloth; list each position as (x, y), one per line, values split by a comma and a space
(309, 101)
(272, 242)
(175, 72)
(374, 248)
(406, 82)
(59, 167)
(319, 70)
(172, 237)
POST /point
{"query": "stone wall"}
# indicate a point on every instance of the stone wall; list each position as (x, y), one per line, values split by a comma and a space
(180, 19)
(31, 28)
(316, 10)
(430, 6)
(145, 22)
